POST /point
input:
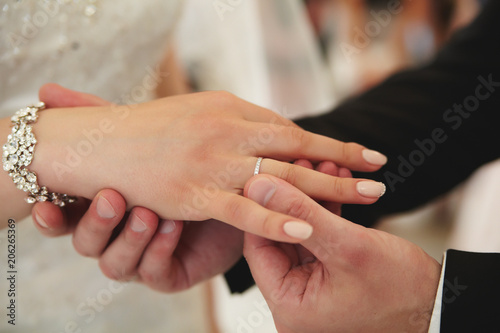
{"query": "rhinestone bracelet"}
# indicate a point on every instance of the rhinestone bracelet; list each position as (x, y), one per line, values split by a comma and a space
(18, 154)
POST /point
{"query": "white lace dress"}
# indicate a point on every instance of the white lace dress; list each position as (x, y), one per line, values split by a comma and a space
(106, 48)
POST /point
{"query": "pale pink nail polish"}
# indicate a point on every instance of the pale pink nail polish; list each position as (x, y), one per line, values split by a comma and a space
(374, 157)
(371, 189)
(297, 229)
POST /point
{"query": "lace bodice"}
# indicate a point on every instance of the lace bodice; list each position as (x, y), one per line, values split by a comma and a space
(97, 46)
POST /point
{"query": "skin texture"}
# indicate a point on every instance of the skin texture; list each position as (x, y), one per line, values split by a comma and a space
(345, 278)
(166, 255)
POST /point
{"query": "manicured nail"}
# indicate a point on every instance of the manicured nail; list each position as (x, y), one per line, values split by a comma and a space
(104, 209)
(167, 226)
(300, 230)
(261, 191)
(371, 189)
(374, 157)
(137, 225)
(40, 221)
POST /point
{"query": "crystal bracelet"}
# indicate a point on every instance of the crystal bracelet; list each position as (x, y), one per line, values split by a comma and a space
(18, 154)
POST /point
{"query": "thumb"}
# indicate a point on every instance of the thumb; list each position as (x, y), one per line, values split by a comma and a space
(56, 96)
(330, 230)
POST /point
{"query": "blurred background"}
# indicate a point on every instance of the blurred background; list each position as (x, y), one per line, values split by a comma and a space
(298, 58)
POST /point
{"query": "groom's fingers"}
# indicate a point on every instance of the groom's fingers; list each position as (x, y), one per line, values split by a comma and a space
(159, 268)
(329, 229)
(56, 96)
(120, 259)
(95, 229)
(52, 221)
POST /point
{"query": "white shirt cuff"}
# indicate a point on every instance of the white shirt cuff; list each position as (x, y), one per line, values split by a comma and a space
(435, 324)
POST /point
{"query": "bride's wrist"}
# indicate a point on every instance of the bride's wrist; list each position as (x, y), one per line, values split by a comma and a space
(60, 160)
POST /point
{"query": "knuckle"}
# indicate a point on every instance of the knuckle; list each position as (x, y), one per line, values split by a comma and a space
(226, 96)
(297, 138)
(146, 276)
(112, 272)
(337, 187)
(268, 225)
(300, 208)
(289, 173)
(347, 152)
(223, 98)
(83, 250)
(344, 152)
(98, 226)
(156, 280)
(233, 210)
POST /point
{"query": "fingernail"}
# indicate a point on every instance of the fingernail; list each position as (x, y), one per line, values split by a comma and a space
(300, 230)
(40, 221)
(261, 191)
(371, 189)
(167, 227)
(104, 209)
(137, 225)
(374, 157)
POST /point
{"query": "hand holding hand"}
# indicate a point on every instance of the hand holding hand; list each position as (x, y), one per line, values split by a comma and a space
(157, 253)
(211, 142)
(345, 278)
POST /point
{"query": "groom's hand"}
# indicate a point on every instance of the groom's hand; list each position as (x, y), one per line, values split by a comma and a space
(344, 278)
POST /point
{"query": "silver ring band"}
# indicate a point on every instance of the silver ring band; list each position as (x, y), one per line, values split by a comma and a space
(257, 166)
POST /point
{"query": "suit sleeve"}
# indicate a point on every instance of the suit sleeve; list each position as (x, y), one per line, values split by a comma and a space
(470, 292)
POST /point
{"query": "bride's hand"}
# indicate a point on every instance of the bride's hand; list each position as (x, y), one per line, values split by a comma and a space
(188, 158)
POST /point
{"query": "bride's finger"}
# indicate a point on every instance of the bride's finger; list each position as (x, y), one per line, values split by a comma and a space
(288, 143)
(323, 186)
(331, 169)
(54, 95)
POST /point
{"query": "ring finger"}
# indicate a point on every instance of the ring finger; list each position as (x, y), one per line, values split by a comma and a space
(319, 185)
